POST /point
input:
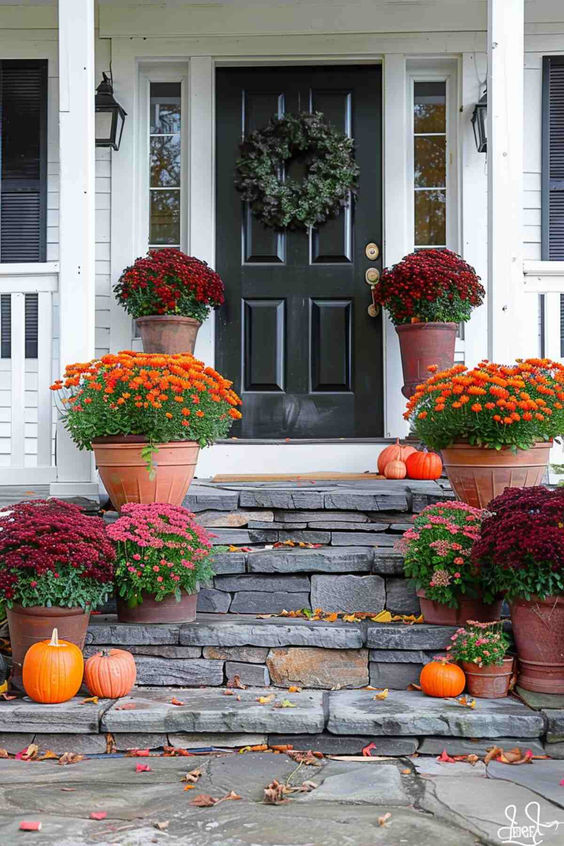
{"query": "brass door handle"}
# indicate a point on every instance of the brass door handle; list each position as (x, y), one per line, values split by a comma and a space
(371, 276)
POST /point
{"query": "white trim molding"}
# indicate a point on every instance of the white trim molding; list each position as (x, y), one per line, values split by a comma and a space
(543, 277)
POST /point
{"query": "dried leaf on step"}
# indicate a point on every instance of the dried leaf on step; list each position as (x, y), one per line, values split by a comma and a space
(413, 686)
(407, 771)
(492, 753)
(466, 702)
(310, 758)
(472, 759)
(294, 689)
(111, 747)
(98, 815)
(264, 616)
(236, 683)
(265, 700)
(382, 617)
(445, 758)
(228, 692)
(230, 796)
(68, 789)
(9, 696)
(308, 786)
(276, 793)
(4, 753)
(382, 695)
(93, 700)
(203, 800)
(48, 755)
(127, 706)
(70, 758)
(384, 819)
(281, 747)
(175, 701)
(142, 768)
(28, 754)
(516, 756)
(137, 753)
(28, 825)
(190, 787)
(162, 826)
(192, 777)
(285, 704)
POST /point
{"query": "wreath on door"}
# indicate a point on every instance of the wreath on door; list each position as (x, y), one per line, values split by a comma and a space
(331, 173)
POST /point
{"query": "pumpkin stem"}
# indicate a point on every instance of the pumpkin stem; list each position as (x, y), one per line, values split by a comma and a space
(54, 638)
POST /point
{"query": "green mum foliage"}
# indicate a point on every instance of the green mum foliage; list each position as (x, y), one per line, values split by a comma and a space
(331, 173)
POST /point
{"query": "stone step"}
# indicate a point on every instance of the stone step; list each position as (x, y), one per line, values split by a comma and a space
(147, 715)
(278, 650)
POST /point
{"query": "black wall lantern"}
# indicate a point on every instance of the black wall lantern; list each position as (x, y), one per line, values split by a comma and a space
(479, 118)
(110, 116)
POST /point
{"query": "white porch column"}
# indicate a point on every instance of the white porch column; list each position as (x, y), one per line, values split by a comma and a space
(511, 318)
(75, 469)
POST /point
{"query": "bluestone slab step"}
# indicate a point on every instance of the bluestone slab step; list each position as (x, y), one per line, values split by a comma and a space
(272, 632)
(400, 636)
(210, 710)
(412, 713)
(349, 559)
(24, 715)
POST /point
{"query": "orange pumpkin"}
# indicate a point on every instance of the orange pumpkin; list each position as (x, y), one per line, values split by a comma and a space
(394, 452)
(442, 679)
(52, 670)
(110, 673)
(395, 470)
(424, 465)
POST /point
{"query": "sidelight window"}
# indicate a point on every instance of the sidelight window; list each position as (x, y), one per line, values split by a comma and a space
(430, 164)
(165, 164)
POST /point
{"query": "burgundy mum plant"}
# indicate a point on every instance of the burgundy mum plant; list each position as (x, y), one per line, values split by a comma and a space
(160, 550)
(168, 281)
(521, 547)
(51, 554)
(429, 286)
(437, 551)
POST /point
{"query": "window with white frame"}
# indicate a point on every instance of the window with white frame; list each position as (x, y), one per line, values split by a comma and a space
(429, 164)
(165, 164)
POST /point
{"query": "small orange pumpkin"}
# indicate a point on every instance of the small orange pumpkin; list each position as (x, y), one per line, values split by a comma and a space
(52, 670)
(424, 465)
(395, 470)
(442, 679)
(394, 452)
(110, 673)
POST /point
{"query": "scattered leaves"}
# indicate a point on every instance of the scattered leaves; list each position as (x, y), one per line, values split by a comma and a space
(384, 819)
(285, 704)
(281, 747)
(111, 747)
(137, 753)
(515, 756)
(265, 700)
(204, 800)
(175, 752)
(382, 695)
(236, 682)
(175, 701)
(466, 702)
(70, 758)
(28, 754)
(27, 825)
(445, 758)
(48, 755)
(4, 753)
(414, 686)
(368, 750)
(93, 700)
(127, 706)
(142, 768)
(294, 689)
(98, 815)
(309, 758)
(354, 617)
(276, 793)
(192, 777)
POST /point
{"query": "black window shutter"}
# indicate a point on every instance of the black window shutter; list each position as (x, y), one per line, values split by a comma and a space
(23, 160)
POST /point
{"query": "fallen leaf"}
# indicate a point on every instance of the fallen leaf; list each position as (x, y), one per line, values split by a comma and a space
(383, 820)
(265, 700)
(414, 686)
(276, 793)
(294, 689)
(26, 825)
(228, 692)
(190, 787)
(98, 815)
(137, 753)
(466, 702)
(308, 786)
(127, 706)
(142, 768)
(516, 756)
(192, 777)
(492, 753)
(28, 754)
(203, 800)
(4, 753)
(382, 695)
(281, 747)
(92, 699)
(236, 683)
(111, 747)
(230, 796)
(472, 759)
(286, 704)
(9, 696)
(162, 826)
(367, 750)
(445, 758)
(175, 752)
(70, 758)
(382, 617)
(175, 701)
(310, 758)
(48, 755)
(68, 789)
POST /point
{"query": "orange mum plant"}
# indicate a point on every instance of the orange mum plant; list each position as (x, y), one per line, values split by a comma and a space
(492, 405)
(160, 397)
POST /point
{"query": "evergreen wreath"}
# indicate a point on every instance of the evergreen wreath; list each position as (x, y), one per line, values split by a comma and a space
(331, 171)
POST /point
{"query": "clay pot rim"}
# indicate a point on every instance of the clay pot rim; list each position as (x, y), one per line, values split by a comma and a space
(133, 440)
(464, 444)
(509, 659)
(168, 318)
(404, 327)
(52, 611)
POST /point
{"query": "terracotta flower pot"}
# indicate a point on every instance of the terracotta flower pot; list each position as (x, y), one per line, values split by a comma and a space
(423, 344)
(125, 476)
(468, 609)
(538, 629)
(477, 474)
(30, 625)
(168, 333)
(168, 610)
(490, 682)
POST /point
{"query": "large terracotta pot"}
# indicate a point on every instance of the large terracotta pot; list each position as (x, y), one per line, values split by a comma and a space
(125, 476)
(423, 344)
(168, 333)
(488, 682)
(468, 609)
(30, 625)
(168, 610)
(477, 474)
(538, 629)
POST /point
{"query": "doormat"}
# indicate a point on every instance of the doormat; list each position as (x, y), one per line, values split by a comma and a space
(297, 477)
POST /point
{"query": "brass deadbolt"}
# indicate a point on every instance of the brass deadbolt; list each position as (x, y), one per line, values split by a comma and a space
(372, 251)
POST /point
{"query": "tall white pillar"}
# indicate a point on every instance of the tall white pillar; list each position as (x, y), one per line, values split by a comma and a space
(75, 469)
(511, 318)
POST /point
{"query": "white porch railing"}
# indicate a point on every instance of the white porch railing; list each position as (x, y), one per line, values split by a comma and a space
(26, 403)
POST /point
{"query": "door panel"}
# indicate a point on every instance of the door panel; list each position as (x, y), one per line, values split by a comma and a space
(294, 334)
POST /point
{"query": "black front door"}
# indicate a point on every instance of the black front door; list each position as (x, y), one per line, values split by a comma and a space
(294, 334)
